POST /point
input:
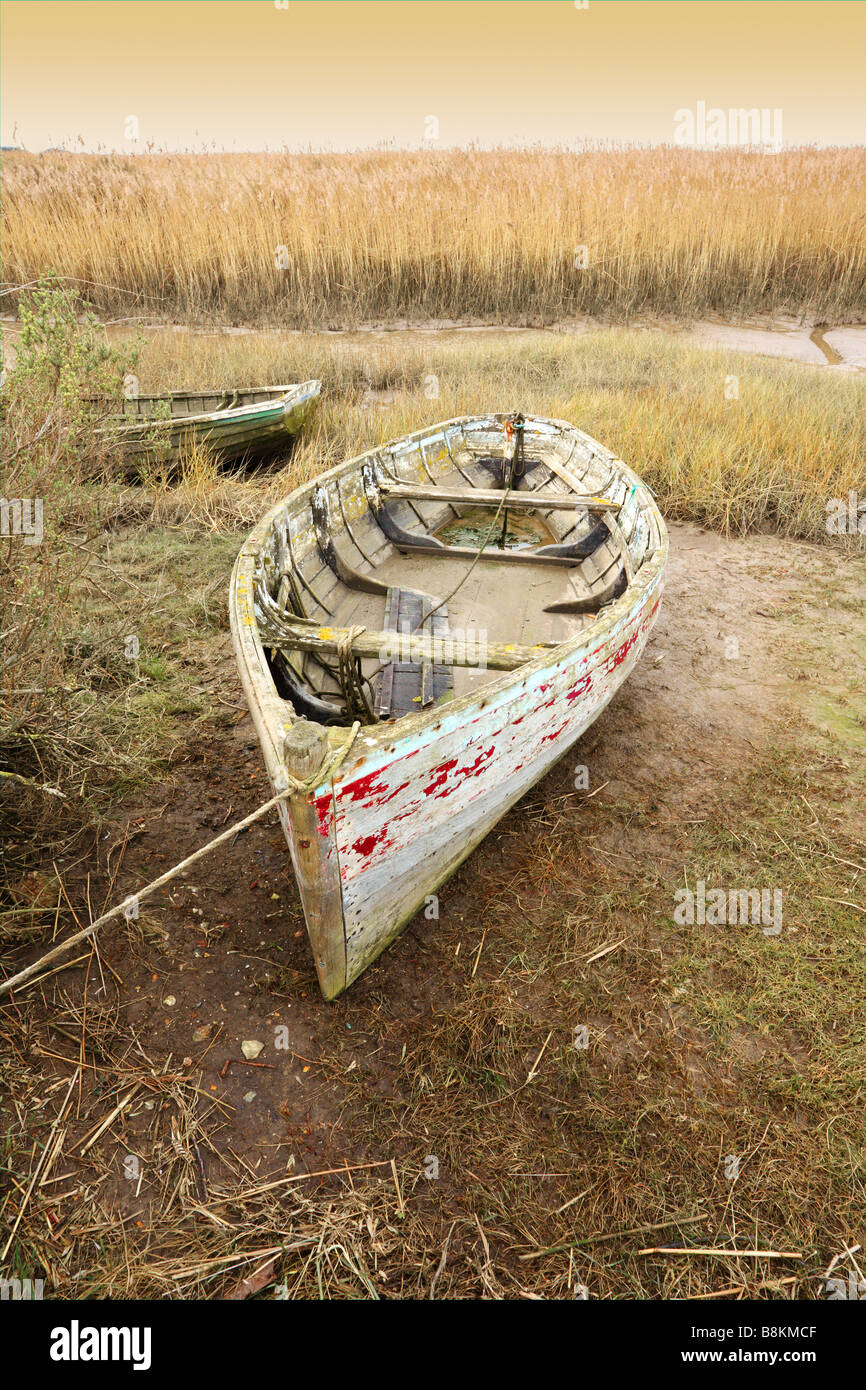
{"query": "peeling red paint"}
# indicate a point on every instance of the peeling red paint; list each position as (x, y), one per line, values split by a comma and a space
(620, 655)
(394, 793)
(323, 814)
(382, 819)
(367, 843)
(550, 738)
(478, 766)
(443, 769)
(580, 688)
(363, 786)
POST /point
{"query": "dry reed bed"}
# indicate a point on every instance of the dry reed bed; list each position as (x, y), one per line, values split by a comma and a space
(450, 234)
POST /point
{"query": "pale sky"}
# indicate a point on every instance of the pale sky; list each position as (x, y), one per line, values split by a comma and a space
(344, 74)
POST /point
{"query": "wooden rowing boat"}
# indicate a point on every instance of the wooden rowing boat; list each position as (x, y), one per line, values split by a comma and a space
(231, 423)
(472, 596)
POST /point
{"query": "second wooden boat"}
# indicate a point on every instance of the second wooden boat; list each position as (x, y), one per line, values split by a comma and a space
(231, 423)
(421, 633)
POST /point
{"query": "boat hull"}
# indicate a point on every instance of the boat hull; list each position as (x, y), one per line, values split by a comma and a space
(231, 433)
(372, 841)
(403, 827)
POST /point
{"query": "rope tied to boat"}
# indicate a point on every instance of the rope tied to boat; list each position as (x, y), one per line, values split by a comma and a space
(286, 786)
(352, 679)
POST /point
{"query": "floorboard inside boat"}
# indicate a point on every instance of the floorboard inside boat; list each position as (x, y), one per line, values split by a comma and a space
(504, 602)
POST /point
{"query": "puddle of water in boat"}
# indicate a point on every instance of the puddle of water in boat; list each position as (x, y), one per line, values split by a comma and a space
(471, 528)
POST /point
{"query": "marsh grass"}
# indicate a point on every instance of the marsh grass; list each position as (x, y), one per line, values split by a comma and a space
(312, 240)
(771, 457)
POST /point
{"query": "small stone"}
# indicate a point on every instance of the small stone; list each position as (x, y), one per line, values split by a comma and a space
(251, 1049)
(250, 1096)
(169, 1001)
(203, 1033)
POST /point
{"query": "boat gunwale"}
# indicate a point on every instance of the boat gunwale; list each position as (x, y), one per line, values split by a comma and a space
(293, 394)
(385, 737)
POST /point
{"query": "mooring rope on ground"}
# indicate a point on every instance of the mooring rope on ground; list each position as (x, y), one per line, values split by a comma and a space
(294, 787)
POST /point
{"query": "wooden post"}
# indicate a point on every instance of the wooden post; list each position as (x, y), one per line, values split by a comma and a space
(305, 748)
(315, 855)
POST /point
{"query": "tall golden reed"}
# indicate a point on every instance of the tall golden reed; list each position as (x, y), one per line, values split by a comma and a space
(505, 236)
